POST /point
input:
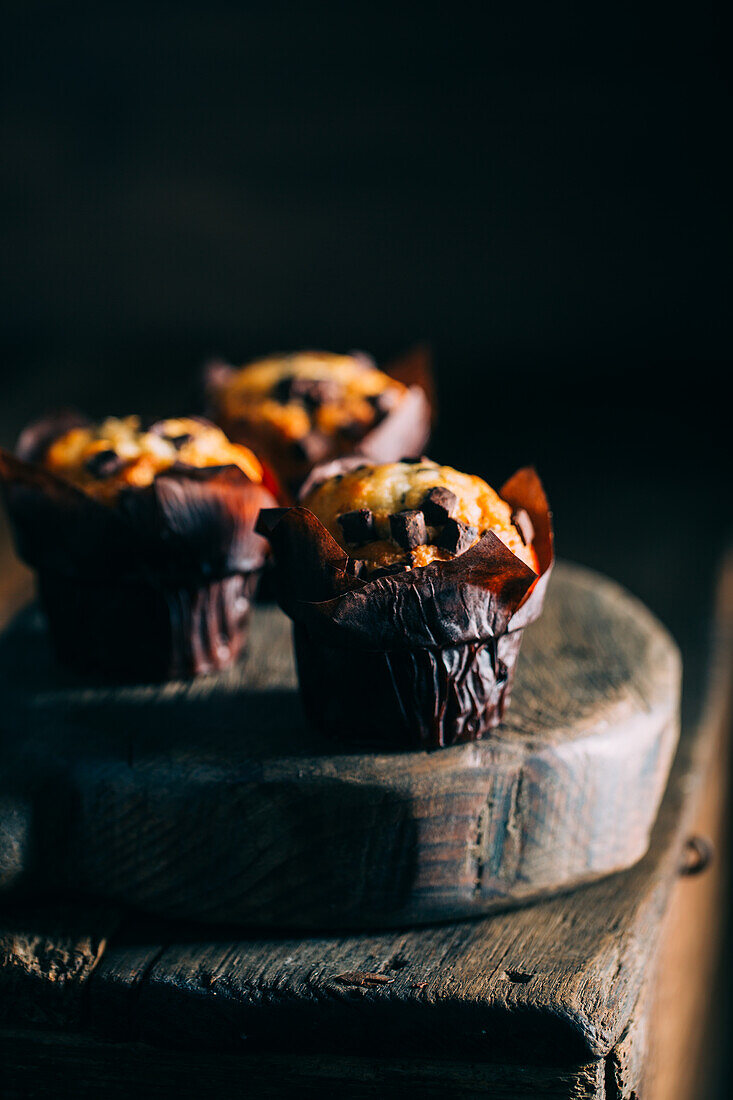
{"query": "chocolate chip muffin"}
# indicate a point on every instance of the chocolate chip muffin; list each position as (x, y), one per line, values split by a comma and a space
(409, 585)
(118, 453)
(143, 538)
(304, 408)
(403, 515)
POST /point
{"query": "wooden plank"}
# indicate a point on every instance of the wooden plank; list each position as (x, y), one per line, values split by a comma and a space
(127, 983)
(626, 1066)
(565, 974)
(82, 1066)
(46, 959)
(214, 801)
(686, 1025)
(78, 1066)
(555, 976)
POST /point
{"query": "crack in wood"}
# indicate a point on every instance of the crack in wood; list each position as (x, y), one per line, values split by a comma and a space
(513, 847)
(479, 852)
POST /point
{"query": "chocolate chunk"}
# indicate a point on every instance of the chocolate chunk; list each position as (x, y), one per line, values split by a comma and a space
(283, 391)
(408, 528)
(439, 505)
(456, 536)
(179, 441)
(358, 527)
(312, 447)
(385, 401)
(523, 524)
(355, 567)
(104, 464)
(312, 391)
(412, 461)
(354, 430)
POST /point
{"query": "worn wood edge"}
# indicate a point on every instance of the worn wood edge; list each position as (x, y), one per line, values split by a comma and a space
(597, 1014)
(696, 754)
(687, 1036)
(626, 1065)
(47, 958)
(678, 790)
(661, 1055)
(410, 772)
(49, 1064)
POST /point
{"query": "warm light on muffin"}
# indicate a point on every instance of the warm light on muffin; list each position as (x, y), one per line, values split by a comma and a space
(402, 515)
(104, 458)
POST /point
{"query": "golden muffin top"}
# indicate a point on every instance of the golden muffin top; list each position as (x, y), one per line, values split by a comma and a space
(401, 515)
(120, 453)
(310, 393)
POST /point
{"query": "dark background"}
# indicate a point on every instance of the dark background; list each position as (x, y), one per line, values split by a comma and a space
(543, 192)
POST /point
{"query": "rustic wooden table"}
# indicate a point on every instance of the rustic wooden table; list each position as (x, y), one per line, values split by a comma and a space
(604, 992)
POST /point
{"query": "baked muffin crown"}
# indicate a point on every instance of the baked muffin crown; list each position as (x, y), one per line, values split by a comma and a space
(121, 453)
(401, 515)
(301, 409)
(394, 654)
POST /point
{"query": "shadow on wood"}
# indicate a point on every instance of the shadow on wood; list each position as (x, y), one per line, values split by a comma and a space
(212, 800)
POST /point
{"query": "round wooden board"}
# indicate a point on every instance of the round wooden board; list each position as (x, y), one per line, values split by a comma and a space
(214, 801)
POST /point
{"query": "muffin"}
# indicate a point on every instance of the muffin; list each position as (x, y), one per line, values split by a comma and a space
(143, 539)
(409, 585)
(305, 408)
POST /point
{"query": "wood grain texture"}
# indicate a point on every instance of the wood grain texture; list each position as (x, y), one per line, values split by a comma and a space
(78, 1066)
(569, 974)
(564, 984)
(46, 961)
(214, 801)
(687, 1027)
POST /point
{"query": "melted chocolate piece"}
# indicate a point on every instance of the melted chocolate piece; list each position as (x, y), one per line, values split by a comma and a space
(385, 401)
(358, 527)
(408, 529)
(523, 524)
(456, 536)
(355, 430)
(283, 391)
(439, 505)
(104, 464)
(312, 391)
(179, 441)
(312, 447)
(355, 567)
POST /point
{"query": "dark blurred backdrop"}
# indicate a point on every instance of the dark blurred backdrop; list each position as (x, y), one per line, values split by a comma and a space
(542, 190)
(545, 193)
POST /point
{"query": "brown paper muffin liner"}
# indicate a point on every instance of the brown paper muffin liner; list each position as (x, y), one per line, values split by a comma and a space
(425, 658)
(156, 585)
(402, 433)
(138, 630)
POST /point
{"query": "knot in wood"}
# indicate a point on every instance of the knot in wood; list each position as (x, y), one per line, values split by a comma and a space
(697, 855)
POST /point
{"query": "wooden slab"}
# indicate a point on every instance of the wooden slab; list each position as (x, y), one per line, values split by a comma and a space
(263, 1011)
(214, 801)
